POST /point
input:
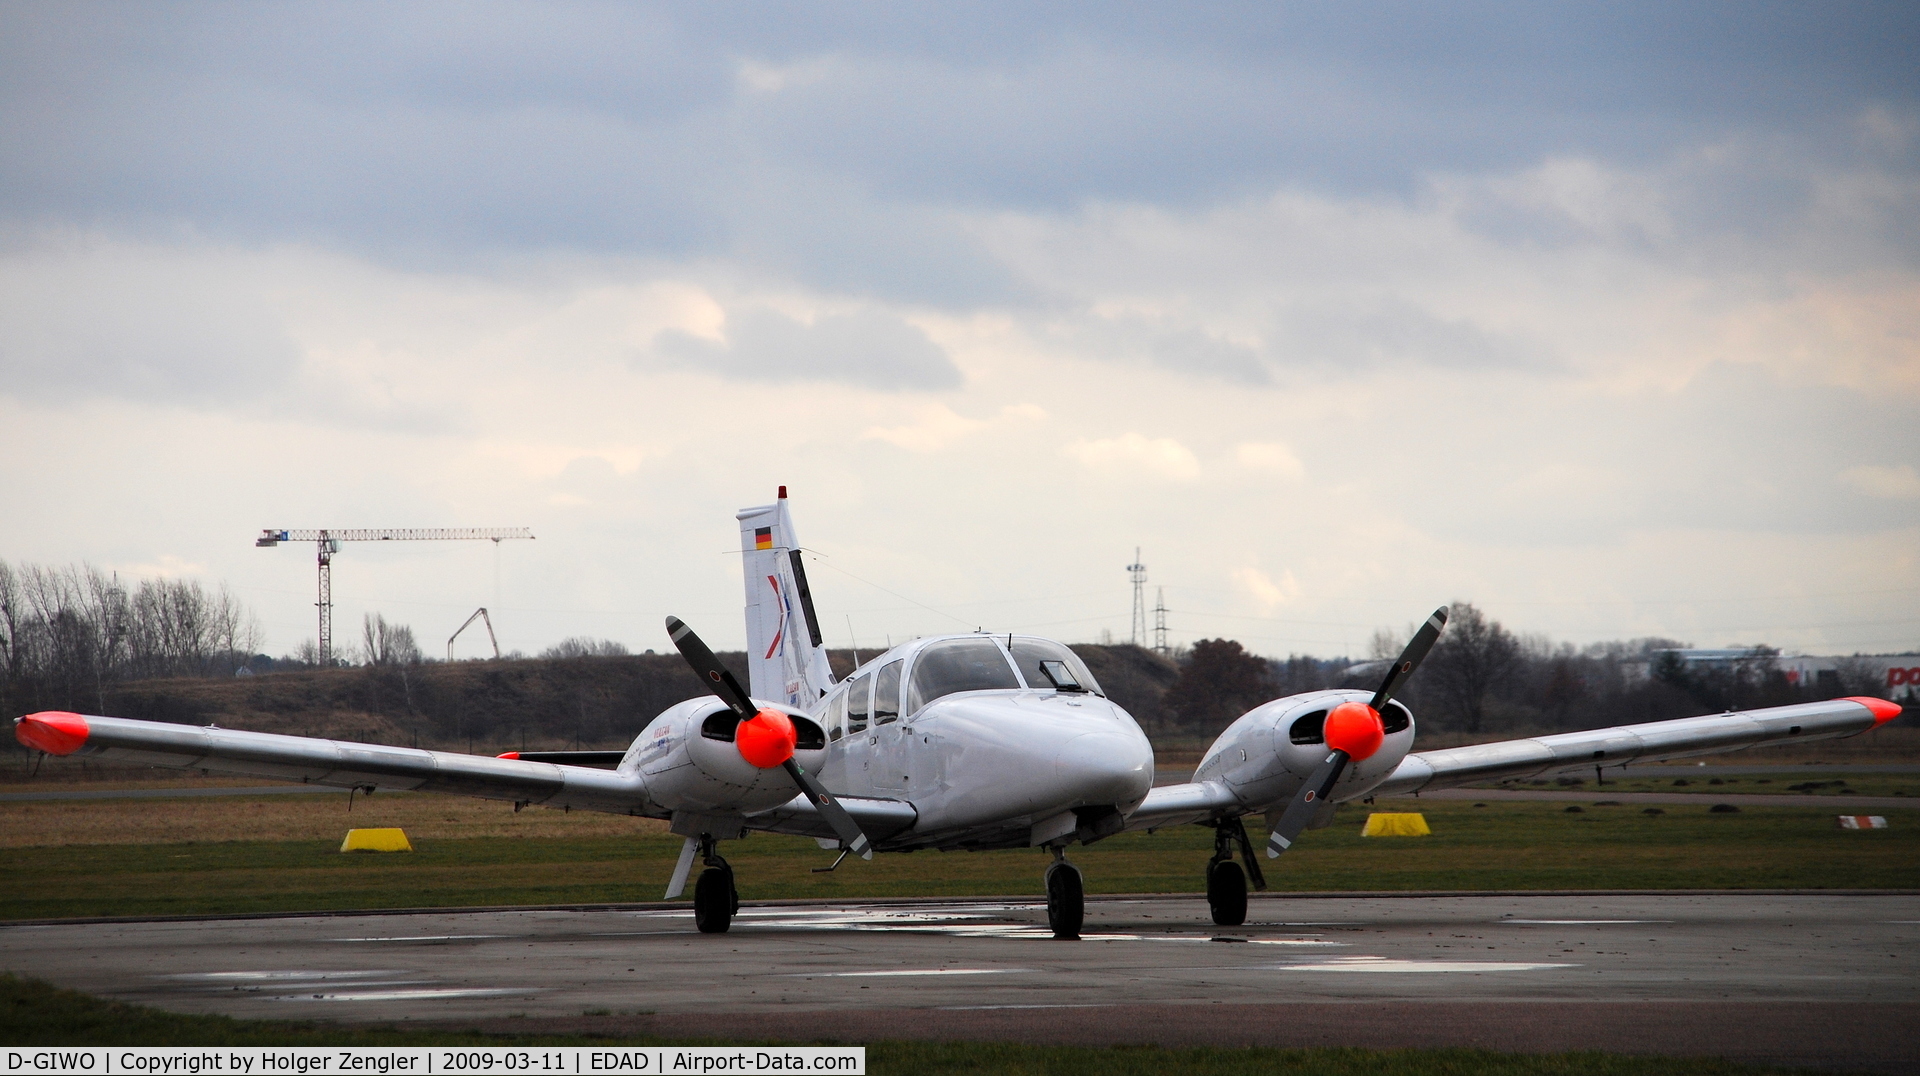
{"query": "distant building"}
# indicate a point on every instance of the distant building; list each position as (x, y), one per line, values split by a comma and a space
(1895, 676)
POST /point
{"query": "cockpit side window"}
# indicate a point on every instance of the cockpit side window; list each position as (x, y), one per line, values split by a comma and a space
(1033, 656)
(886, 693)
(835, 716)
(857, 704)
(958, 665)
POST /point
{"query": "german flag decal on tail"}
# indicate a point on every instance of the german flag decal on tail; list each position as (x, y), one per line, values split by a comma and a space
(763, 538)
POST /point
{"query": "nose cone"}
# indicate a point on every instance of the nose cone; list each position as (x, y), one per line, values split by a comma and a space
(1107, 767)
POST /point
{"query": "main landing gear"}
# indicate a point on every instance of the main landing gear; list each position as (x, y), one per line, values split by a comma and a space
(1226, 882)
(714, 897)
(1066, 897)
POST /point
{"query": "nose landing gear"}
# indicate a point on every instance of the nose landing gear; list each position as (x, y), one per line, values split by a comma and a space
(1226, 882)
(715, 900)
(1066, 897)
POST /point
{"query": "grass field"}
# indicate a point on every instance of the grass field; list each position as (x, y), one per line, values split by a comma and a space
(35, 1014)
(264, 854)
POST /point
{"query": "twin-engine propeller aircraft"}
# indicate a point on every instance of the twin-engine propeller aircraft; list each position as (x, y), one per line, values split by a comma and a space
(952, 742)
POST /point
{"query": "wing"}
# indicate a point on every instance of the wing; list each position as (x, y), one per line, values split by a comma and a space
(1651, 742)
(334, 763)
(1172, 805)
(879, 819)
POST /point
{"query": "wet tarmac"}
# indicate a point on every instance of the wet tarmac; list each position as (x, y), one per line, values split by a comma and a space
(1790, 978)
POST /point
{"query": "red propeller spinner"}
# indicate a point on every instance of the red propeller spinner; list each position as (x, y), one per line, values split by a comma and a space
(1356, 728)
(766, 739)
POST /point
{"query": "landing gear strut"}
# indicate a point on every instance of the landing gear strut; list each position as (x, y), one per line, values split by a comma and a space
(1066, 897)
(714, 897)
(1226, 882)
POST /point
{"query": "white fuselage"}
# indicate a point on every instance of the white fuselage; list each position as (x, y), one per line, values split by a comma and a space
(998, 763)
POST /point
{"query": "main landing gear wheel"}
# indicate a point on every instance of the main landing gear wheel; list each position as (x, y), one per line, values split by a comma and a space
(1227, 893)
(1066, 900)
(715, 900)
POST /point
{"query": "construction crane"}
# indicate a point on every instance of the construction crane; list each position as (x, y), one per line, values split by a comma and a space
(328, 543)
(479, 614)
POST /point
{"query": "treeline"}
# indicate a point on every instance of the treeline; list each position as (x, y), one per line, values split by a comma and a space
(76, 638)
(1482, 677)
(66, 634)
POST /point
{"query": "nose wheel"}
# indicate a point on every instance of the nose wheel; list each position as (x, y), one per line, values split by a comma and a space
(1066, 898)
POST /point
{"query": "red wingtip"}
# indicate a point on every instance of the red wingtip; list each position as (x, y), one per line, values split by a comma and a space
(54, 731)
(1883, 711)
(783, 493)
(508, 754)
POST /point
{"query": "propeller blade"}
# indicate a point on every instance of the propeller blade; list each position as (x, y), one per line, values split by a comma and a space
(1411, 657)
(843, 824)
(709, 668)
(1306, 803)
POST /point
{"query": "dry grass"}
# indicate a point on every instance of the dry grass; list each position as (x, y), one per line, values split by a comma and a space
(56, 823)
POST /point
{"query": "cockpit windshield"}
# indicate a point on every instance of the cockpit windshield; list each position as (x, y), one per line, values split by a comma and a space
(958, 665)
(1047, 664)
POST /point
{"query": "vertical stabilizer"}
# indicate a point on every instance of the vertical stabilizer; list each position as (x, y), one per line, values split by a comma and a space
(785, 659)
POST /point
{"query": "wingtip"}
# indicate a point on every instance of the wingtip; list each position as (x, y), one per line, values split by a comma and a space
(56, 732)
(1883, 710)
(508, 754)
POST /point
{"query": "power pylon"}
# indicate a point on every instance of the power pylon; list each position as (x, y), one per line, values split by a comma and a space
(1160, 623)
(328, 542)
(1138, 573)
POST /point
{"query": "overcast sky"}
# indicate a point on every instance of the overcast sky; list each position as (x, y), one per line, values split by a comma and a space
(1605, 318)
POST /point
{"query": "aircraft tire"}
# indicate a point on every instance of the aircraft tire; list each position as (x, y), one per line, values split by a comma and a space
(1227, 893)
(714, 900)
(1066, 900)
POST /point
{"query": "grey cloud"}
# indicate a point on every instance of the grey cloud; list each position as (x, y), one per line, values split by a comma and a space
(424, 132)
(1198, 352)
(1737, 449)
(869, 348)
(1364, 334)
(1326, 336)
(77, 326)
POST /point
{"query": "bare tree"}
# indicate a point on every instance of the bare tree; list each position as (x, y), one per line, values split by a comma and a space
(387, 644)
(580, 646)
(1474, 656)
(1219, 682)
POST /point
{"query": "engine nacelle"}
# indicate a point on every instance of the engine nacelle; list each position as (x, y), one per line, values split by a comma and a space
(689, 762)
(1265, 755)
